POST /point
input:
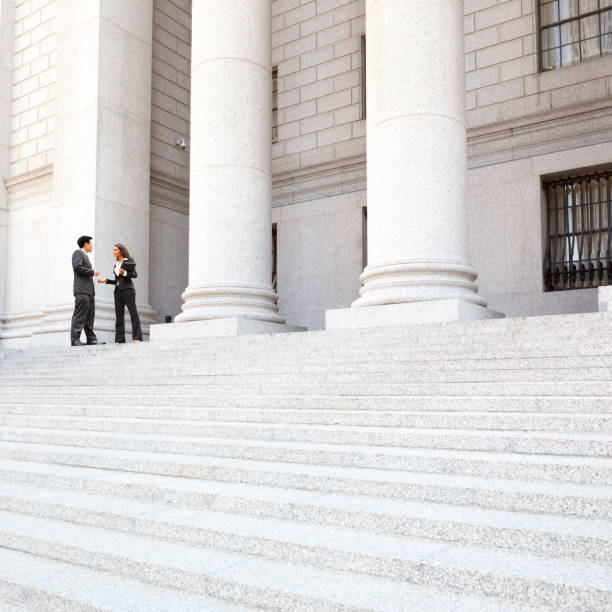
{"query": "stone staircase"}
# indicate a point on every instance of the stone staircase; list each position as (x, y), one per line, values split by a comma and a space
(464, 466)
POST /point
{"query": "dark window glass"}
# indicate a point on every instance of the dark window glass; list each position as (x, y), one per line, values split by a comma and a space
(274, 104)
(574, 30)
(578, 231)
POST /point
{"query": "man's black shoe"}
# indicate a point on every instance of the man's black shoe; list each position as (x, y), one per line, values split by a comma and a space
(95, 342)
(77, 343)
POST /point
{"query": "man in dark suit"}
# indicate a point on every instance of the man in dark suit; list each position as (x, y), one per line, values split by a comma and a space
(84, 294)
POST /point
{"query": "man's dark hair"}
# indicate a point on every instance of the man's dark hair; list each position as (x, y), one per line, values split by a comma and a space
(82, 240)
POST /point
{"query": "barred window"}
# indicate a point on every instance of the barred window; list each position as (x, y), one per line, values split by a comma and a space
(574, 30)
(274, 256)
(363, 78)
(579, 236)
(275, 103)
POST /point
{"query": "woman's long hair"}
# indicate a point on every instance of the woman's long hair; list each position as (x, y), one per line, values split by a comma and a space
(123, 249)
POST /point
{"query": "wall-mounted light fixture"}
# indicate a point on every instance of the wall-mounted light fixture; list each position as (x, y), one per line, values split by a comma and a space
(181, 143)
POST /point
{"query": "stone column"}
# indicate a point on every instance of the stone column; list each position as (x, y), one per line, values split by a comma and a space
(230, 222)
(417, 162)
(102, 152)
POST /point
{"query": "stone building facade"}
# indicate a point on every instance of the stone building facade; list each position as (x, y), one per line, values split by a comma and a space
(100, 111)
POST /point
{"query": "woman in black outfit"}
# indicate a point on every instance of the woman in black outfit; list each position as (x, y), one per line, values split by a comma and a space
(125, 294)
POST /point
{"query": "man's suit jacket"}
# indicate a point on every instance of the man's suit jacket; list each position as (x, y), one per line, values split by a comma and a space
(83, 274)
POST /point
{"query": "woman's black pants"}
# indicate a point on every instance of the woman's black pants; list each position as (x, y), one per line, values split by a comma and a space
(124, 298)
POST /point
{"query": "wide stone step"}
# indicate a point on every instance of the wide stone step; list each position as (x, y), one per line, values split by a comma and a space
(281, 585)
(320, 546)
(550, 333)
(37, 583)
(595, 445)
(505, 326)
(138, 378)
(556, 468)
(571, 388)
(492, 492)
(549, 534)
(300, 404)
(437, 416)
(82, 370)
(540, 330)
(332, 353)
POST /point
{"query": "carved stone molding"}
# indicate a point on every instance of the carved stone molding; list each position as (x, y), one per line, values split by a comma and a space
(540, 133)
(324, 180)
(169, 192)
(29, 188)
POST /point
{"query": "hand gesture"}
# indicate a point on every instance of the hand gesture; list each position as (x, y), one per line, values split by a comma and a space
(102, 280)
(122, 272)
(97, 273)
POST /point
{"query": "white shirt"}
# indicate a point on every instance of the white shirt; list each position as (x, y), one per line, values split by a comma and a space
(118, 269)
(88, 256)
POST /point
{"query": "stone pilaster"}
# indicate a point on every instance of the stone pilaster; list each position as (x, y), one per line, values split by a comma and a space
(417, 163)
(6, 66)
(102, 155)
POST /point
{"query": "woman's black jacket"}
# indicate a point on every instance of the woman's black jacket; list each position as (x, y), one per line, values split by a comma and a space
(124, 282)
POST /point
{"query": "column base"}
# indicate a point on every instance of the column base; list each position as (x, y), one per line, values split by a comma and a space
(410, 313)
(54, 329)
(224, 327)
(604, 298)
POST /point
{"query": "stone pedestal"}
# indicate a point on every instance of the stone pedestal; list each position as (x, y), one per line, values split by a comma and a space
(417, 162)
(231, 326)
(604, 298)
(230, 221)
(413, 313)
(102, 154)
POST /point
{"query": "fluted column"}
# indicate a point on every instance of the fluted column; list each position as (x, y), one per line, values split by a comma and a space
(230, 225)
(417, 163)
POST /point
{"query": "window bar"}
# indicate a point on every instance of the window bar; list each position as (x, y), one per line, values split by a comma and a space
(579, 229)
(549, 280)
(582, 235)
(591, 215)
(553, 240)
(609, 248)
(570, 246)
(559, 239)
(562, 215)
(573, 244)
(598, 225)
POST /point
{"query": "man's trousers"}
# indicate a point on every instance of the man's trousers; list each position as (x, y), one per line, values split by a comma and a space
(83, 317)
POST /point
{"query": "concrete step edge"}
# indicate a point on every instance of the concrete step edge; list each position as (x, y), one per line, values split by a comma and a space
(501, 420)
(223, 575)
(102, 547)
(591, 445)
(492, 492)
(314, 527)
(258, 498)
(580, 470)
(36, 583)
